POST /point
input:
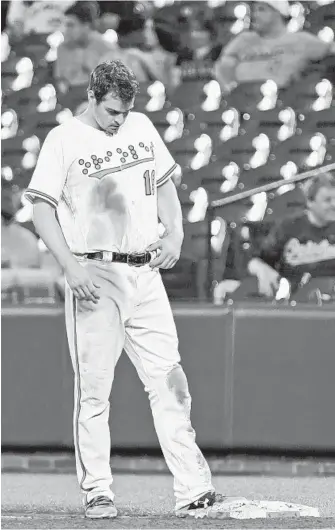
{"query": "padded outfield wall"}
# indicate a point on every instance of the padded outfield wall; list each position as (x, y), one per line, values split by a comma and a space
(260, 377)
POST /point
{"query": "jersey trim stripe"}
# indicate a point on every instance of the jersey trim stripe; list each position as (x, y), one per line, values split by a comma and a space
(108, 171)
(166, 176)
(78, 396)
(136, 162)
(31, 194)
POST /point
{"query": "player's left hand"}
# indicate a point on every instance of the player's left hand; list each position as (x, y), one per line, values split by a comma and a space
(168, 249)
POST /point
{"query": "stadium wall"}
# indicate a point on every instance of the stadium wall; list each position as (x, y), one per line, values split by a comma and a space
(260, 377)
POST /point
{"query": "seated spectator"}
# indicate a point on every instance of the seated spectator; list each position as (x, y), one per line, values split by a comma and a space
(140, 50)
(202, 34)
(110, 16)
(19, 247)
(129, 49)
(161, 57)
(82, 48)
(300, 245)
(269, 51)
(37, 17)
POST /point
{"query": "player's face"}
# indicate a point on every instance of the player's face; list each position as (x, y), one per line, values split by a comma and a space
(263, 17)
(111, 113)
(74, 31)
(323, 206)
(199, 36)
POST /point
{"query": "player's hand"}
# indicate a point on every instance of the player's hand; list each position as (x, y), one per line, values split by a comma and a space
(81, 283)
(168, 249)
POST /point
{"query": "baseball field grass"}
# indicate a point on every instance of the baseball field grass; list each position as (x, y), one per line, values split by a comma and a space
(146, 501)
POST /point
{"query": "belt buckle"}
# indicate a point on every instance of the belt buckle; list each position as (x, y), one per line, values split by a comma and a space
(108, 256)
(135, 255)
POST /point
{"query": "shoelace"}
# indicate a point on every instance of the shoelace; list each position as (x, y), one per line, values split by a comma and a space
(99, 501)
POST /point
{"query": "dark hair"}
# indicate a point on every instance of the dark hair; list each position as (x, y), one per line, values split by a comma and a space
(129, 25)
(85, 12)
(311, 188)
(168, 39)
(114, 77)
(204, 22)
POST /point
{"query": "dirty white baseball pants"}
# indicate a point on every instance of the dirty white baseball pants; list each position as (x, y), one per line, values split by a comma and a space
(133, 313)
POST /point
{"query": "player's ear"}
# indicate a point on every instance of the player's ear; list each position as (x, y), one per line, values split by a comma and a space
(91, 96)
(309, 204)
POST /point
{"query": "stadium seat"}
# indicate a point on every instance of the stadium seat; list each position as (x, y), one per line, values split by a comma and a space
(212, 178)
(319, 291)
(181, 282)
(298, 150)
(213, 117)
(266, 122)
(8, 72)
(283, 205)
(73, 98)
(320, 16)
(34, 46)
(147, 94)
(12, 152)
(189, 95)
(24, 101)
(235, 212)
(185, 201)
(199, 121)
(41, 123)
(238, 149)
(322, 121)
(245, 97)
(183, 150)
(329, 73)
(159, 119)
(301, 94)
(244, 243)
(226, 13)
(195, 247)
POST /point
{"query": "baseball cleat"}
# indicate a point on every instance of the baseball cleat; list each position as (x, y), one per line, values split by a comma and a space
(100, 508)
(208, 505)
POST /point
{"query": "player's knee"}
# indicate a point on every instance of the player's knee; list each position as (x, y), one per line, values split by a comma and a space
(177, 383)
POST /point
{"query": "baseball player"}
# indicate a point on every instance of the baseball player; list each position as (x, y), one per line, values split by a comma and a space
(101, 182)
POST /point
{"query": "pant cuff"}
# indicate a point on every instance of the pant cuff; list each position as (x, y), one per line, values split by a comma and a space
(98, 493)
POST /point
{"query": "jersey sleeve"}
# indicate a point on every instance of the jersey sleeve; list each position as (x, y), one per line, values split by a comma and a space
(165, 163)
(313, 47)
(49, 177)
(234, 47)
(272, 247)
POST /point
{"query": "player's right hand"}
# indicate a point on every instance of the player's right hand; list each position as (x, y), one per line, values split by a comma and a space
(81, 283)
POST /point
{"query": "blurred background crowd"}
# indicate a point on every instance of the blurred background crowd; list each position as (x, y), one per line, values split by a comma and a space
(242, 94)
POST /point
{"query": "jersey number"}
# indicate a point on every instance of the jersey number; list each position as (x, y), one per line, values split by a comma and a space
(149, 182)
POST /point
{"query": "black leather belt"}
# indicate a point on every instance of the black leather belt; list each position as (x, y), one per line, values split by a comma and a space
(135, 260)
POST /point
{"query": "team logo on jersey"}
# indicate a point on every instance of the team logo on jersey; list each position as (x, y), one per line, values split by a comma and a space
(117, 161)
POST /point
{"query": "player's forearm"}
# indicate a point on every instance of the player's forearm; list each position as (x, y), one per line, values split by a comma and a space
(224, 71)
(255, 265)
(48, 228)
(169, 210)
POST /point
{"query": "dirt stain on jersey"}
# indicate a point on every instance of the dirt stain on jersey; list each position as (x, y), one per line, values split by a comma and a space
(108, 211)
(106, 199)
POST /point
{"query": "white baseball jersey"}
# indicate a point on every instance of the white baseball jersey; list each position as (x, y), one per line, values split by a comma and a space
(104, 187)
